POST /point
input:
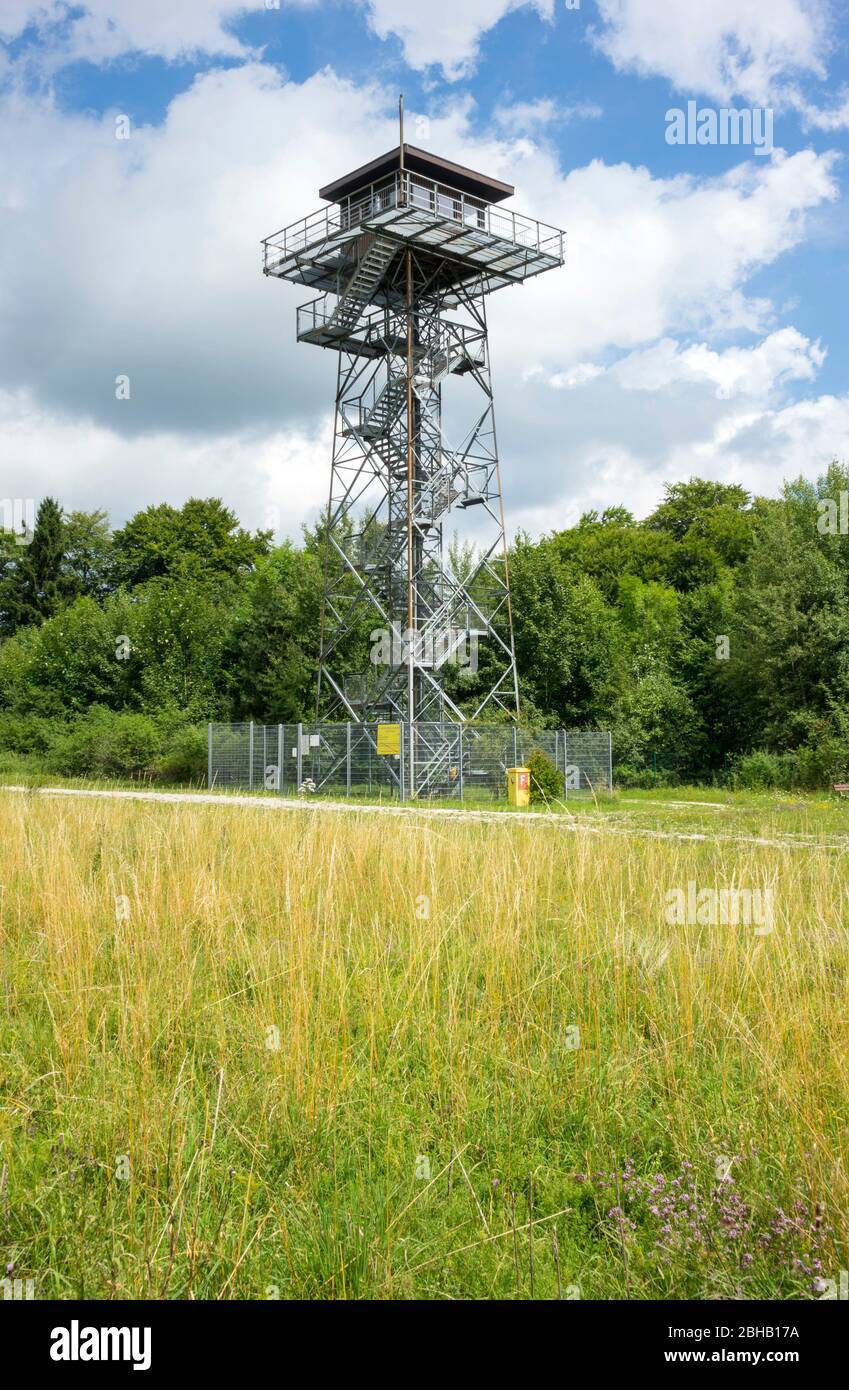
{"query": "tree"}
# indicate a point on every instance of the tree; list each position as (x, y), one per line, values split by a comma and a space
(605, 551)
(88, 561)
(178, 632)
(565, 634)
(654, 714)
(687, 506)
(271, 658)
(32, 585)
(68, 662)
(790, 635)
(202, 539)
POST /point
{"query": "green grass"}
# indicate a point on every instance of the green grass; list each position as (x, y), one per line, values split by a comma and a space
(422, 978)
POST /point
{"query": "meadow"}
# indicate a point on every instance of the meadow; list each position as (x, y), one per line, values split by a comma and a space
(251, 1055)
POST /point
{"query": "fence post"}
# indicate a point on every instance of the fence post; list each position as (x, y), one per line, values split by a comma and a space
(251, 756)
(460, 732)
(610, 760)
(209, 755)
(515, 748)
(300, 768)
(348, 759)
(401, 765)
(279, 759)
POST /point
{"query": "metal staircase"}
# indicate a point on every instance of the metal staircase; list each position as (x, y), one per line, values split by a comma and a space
(432, 366)
(360, 289)
(440, 361)
(379, 418)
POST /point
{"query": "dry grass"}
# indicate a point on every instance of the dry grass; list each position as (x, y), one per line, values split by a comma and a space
(286, 1019)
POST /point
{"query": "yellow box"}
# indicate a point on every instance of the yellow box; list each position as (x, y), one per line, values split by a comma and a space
(389, 739)
(518, 786)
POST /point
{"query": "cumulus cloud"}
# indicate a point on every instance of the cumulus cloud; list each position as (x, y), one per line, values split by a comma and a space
(737, 371)
(647, 256)
(668, 412)
(444, 32)
(726, 49)
(828, 118)
(273, 479)
(141, 258)
(100, 30)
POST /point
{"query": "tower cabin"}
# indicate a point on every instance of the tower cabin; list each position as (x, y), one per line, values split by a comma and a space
(449, 216)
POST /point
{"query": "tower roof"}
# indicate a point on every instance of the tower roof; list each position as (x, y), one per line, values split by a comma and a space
(418, 162)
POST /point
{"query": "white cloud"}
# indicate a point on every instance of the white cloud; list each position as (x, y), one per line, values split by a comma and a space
(142, 257)
(832, 118)
(567, 380)
(780, 358)
(801, 438)
(444, 32)
(725, 48)
(99, 30)
(275, 480)
(649, 256)
(665, 413)
(527, 117)
(755, 371)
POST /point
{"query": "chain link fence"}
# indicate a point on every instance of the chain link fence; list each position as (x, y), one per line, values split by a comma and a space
(464, 762)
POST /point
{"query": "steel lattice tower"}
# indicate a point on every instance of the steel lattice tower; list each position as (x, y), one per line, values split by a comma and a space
(404, 256)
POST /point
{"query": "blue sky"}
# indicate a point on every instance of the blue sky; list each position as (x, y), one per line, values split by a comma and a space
(698, 326)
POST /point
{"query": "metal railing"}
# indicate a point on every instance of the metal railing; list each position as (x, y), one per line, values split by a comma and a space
(377, 329)
(383, 330)
(464, 762)
(404, 190)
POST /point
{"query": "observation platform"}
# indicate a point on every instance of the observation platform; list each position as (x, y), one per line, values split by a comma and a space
(447, 214)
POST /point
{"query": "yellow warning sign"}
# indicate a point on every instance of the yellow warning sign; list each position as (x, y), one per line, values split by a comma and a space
(389, 738)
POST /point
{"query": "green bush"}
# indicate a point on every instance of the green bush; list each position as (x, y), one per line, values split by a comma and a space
(647, 776)
(29, 734)
(185, 757)
(102, 743)
(761, 771)
(546, 780)
(18, 766)
(814, 766)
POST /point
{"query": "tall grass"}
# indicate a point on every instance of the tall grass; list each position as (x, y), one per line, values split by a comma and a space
(235, 1045)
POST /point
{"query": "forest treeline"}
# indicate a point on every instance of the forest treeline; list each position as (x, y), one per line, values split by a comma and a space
(710, 637)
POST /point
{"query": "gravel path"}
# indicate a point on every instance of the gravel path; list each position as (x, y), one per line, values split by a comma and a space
(555, 821)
